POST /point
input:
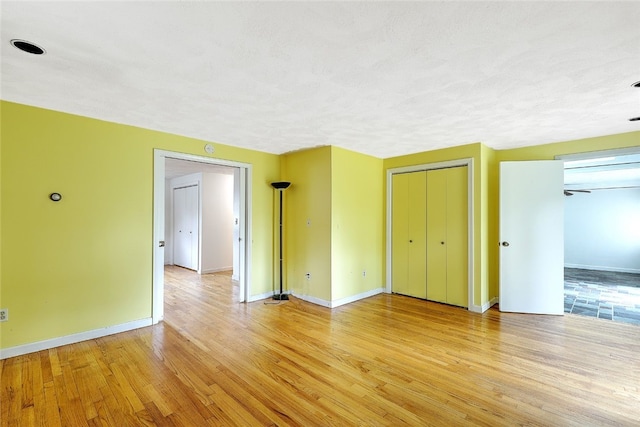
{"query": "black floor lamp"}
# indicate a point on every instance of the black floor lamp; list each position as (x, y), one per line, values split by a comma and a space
(281, 186)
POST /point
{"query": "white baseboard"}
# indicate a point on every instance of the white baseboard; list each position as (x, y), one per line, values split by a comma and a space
(353, 298)
(72, 339)
(603, 268)
(313, 300)
(341, 301)
(216, 270)
(484, 307)
(259, 297)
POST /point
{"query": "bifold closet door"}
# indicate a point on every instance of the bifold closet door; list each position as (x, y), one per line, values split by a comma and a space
(457, 237)
(409, 234)
(186, 227)
(447, 236)
(436, 220)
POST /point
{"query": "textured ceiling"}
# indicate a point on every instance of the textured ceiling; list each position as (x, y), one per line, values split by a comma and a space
(379, 78)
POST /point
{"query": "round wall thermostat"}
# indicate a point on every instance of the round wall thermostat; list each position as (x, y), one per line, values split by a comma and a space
(208, 148)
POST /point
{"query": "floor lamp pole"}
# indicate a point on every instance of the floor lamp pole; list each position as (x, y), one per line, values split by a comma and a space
(281, 186)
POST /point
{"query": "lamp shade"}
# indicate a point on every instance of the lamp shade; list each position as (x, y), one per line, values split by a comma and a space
(280, 185)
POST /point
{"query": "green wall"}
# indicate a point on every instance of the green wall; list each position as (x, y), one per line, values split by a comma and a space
(356, 219)
(308, 222)
(333, 223)
(86, 262)
(549, 151)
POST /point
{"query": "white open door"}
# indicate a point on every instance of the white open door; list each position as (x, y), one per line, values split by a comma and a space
(532, 237)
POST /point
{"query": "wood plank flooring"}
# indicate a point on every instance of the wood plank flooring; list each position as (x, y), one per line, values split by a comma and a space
(387, 360)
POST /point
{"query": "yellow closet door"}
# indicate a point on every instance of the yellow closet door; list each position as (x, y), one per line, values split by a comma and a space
(400, 233)
(408, 234)
(436, 220)
(417, 256)
(457, 264)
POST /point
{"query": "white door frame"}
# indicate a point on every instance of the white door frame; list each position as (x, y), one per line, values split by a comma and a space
(428, 166)
(598, 154)
(246, 172)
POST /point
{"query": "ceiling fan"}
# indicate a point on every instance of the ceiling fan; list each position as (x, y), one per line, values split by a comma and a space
(570, 192)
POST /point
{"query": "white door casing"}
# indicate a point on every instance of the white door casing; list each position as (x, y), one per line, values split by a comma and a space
(532, 237)
(244, 219)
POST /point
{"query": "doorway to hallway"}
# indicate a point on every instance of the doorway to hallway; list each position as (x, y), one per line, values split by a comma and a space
(185, 165)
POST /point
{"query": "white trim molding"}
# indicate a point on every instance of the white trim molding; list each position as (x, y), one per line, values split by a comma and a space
(341, 301)
(358, 297)
(314, 300)
(484, 307)
(73, 339)
(259, 297)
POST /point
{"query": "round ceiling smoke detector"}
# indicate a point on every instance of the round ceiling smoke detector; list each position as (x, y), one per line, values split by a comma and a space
(28, 47)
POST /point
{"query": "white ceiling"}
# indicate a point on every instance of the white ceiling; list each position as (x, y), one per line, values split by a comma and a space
(381, 78)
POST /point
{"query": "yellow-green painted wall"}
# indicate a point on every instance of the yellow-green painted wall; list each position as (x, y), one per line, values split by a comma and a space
(549, 151)
(308, 222)
(356, 224)
(86, 262)
(333, 227)
(489, 232)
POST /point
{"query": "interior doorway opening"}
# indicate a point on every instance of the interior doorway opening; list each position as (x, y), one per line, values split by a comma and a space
(202, 216)
(217, 194)
(602, 234)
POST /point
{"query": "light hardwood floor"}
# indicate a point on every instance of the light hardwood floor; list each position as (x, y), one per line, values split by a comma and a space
(386, 360)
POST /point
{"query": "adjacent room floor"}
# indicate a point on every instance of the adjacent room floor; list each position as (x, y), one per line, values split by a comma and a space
(603, 294)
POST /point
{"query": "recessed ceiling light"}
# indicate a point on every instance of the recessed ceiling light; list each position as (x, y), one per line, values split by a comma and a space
(28, 47)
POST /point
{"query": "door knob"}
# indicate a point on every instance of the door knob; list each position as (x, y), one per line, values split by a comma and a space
(505, 244)
(410, 241)
(442, 243)
(161, 244)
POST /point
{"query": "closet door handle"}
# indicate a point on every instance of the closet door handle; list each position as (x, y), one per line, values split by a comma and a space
(442, 243)
(410, 241)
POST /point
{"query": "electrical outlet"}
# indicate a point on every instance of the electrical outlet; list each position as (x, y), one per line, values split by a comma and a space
(4, 314)
(308, 276)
